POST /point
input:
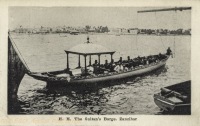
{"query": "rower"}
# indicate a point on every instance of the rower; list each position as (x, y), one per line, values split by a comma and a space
(169, 51)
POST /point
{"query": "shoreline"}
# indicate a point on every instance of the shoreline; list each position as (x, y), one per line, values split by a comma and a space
(100, 34)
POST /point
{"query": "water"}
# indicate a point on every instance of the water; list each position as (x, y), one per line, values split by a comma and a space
(46, 53)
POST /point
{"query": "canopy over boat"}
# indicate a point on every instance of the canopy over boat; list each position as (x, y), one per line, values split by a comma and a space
(89, 48)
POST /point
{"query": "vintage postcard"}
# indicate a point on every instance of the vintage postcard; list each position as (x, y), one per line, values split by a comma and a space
(99, 64)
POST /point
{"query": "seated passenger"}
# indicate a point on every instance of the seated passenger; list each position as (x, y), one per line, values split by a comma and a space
(130, 63)
(118, 68)
(120, 60)
(106, 65)
(142, 62)
(128, 58)
(90, 69)
(126, 61)
(145, 61)
(126, 68)
(139, 60)
(83, 72)
(95, 63)
(96, 67)
(150, 59)
(135, 63)
(112, 65)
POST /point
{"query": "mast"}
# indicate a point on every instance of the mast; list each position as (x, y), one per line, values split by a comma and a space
(166, 9)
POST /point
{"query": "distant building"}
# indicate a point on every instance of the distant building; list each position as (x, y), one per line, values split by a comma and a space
(44, 30)
(53, 30)
(23, 30)
(81, 30)
(133, 31)
(179, 31)
(142, 31)
(58, 30)
(92, 30)
(74, 32)
(118, 31)
(187, 32)
(115, 30)
(124, 31)
(36, 31)
(153, 31)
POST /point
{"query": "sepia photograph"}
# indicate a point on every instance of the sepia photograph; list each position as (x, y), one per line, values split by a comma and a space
(99, 60)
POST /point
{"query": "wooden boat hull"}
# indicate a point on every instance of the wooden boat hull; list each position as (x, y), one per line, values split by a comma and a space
(103, 78)
(120, 75)
(164, 103)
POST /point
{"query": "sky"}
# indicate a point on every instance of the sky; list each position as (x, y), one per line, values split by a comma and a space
(112, 17)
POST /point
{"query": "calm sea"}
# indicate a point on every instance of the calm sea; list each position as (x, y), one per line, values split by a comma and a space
(46, 53)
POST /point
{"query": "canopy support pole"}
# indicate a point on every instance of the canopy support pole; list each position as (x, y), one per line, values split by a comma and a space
(99, 60)
(85, 65)
(90, 61)
(111, 58)
(67, 61)
(79, 62)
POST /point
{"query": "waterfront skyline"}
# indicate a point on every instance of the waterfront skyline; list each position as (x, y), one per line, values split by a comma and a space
(113, 17)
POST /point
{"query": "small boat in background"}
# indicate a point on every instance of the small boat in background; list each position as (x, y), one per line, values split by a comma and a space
(175, 98)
